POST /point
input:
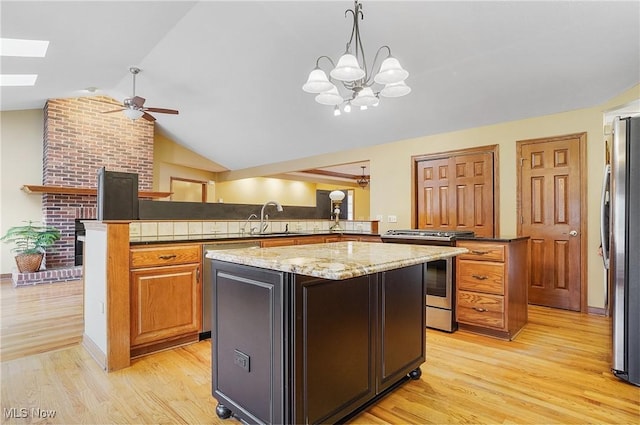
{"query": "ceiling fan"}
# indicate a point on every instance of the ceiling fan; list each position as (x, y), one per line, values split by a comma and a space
(133, 107)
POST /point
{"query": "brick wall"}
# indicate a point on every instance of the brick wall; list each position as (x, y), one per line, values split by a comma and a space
(78, 140)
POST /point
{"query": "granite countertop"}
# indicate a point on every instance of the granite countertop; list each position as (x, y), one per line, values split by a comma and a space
(337, 260)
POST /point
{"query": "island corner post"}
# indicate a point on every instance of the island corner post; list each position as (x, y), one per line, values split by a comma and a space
(315, 339)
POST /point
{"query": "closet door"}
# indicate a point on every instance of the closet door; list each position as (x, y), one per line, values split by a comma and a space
(457, 192)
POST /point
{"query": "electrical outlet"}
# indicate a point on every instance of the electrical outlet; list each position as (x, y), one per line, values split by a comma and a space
(379, 217)
(392, 219)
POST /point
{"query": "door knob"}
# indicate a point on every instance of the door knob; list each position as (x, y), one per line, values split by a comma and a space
(573, 233)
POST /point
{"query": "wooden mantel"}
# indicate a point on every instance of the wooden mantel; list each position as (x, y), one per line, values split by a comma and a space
(30, 188)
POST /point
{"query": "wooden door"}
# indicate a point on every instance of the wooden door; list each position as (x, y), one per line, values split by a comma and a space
(457, 193)
(472, 193)
(550, 209)
(433, 194)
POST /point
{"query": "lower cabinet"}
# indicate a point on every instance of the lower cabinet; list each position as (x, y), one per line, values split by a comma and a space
(166, 300)
(297, 349)
(491, 286)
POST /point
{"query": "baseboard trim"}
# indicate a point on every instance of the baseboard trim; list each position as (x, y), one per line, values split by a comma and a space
(597, 311)
(95, 351)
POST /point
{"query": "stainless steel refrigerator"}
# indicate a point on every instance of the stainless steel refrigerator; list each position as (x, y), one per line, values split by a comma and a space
(621, 246)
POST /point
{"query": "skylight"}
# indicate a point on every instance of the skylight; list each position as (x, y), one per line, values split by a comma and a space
(16, 80)
(23, 48)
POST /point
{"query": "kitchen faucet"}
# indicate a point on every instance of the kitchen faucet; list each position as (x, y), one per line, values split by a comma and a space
(244, 226)
(262, 223)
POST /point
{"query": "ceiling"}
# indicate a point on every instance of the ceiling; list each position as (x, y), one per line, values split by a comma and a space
(235, 69)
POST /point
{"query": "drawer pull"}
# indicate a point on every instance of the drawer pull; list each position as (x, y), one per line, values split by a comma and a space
(480, 276)
(167, 257)
(480, 309)
(480, 252)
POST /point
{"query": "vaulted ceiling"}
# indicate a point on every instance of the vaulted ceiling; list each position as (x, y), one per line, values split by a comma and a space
(234, 70)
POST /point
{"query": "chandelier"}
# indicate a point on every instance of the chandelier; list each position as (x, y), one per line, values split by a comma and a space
(363, 181)
(357, 82)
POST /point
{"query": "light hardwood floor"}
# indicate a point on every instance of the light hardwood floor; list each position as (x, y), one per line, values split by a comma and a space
(555, 371)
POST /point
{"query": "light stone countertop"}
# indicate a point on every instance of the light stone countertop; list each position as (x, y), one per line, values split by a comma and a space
(337, 260)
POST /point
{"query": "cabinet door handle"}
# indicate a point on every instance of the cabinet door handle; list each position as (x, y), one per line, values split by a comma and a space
(480, 309)
(480, 276)
(198, 275)
(167, 257)
(479, 252)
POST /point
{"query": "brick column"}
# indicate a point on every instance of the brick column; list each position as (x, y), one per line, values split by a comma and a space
(78, 140)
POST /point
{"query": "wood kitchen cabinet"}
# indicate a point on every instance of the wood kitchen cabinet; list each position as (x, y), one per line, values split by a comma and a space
(166, 297)
(491, 286)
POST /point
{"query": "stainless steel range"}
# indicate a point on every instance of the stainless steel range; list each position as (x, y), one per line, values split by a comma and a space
(440, 275)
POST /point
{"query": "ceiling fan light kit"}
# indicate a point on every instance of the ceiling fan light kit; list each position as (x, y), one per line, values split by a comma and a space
(133, 107)
(358, 82)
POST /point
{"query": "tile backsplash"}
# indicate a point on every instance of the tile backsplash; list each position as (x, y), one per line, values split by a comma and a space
(202, 229)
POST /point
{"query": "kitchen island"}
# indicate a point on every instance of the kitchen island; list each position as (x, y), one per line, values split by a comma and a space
(314, 333)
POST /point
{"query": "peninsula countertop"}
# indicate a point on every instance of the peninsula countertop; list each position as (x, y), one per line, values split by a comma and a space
(337, 260)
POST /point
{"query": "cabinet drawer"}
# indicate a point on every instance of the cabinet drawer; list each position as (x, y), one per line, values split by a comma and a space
(480, 309)
(482, 251)
(481, 276)
(151, 257)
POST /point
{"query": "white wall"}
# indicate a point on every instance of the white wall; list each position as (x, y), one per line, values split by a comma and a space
(21, 134)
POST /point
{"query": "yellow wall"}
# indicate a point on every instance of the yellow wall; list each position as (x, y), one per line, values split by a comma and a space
(20, 163)
(262, 189)
(173, 160)
(259, 190)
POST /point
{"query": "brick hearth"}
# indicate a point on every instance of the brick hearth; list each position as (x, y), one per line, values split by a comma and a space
(47, 276)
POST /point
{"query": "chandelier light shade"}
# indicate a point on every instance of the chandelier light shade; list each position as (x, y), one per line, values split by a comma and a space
(363, 181)
(390, 72)
(347, 69)
(351, 81)
(365, 97)
(331, 97)
(317, 82)
(395, 89)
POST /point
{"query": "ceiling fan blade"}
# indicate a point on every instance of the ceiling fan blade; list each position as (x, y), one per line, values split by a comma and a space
(148, 117)
(162, 110)
(138, 101)
(115, 110)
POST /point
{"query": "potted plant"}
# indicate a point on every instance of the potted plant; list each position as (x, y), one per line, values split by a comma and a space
(30, 243)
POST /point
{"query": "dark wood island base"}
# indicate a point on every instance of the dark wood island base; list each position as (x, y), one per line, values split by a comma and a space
(289, 348)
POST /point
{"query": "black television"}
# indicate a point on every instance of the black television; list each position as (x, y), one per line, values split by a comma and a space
(117, 195)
